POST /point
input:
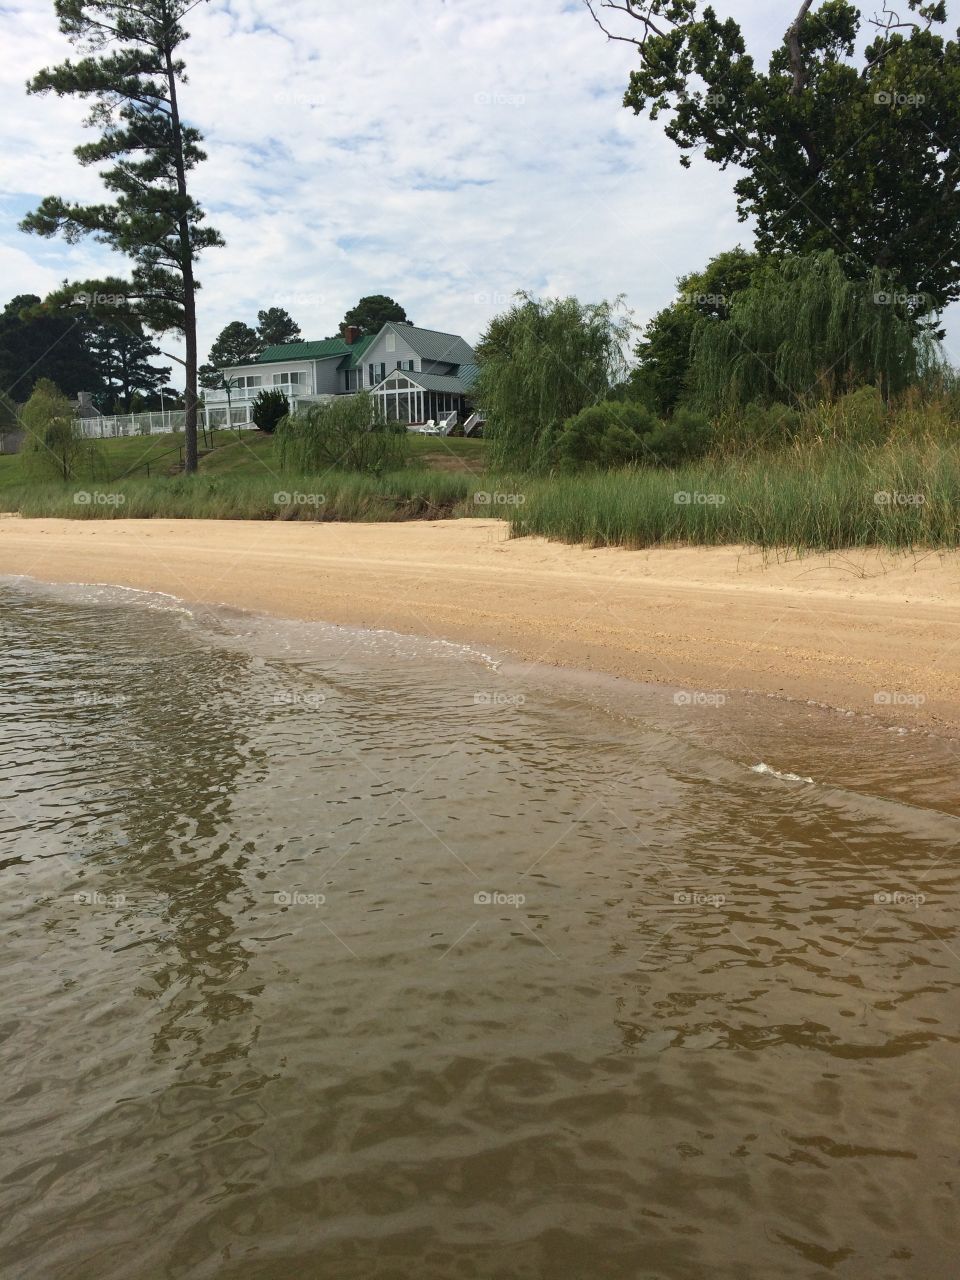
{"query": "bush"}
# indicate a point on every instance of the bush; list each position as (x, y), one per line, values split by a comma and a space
(268, 408)
(348, 434)
(618, 434)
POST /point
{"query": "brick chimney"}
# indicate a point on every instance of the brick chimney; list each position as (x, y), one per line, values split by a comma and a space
(352, 335)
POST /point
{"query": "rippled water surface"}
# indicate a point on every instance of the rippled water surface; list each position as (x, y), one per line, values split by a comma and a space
(332, 954)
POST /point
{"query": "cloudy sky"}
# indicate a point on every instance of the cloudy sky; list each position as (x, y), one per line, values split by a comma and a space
(445, 152)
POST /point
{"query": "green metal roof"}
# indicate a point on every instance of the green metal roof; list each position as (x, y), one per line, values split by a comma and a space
(305, 351)
(430, 344)
(355, 357)
(433, 381)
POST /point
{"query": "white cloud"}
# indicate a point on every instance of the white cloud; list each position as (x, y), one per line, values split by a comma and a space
(446, 152)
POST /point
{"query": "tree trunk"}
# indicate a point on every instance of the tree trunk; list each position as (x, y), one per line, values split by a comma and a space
(190, 458)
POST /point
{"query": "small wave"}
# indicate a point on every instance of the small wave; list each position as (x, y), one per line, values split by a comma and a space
(775, 773)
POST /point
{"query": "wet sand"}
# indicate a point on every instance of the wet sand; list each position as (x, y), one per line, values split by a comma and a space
(866, 631)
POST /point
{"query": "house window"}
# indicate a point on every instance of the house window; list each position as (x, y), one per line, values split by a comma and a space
(410, 365)
(289, 379)
(391, 342)
(249, 382)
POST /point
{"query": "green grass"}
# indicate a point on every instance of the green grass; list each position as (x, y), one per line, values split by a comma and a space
(820, 499)
(821, 495)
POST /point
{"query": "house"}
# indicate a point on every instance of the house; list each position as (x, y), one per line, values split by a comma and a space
(417, 375)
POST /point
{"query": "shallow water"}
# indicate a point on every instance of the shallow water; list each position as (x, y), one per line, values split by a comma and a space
(329, 953)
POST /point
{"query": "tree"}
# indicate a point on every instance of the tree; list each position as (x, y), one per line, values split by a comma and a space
(123, 355)
(276, 328)
(663, 353)
(236, 344)
(53, 444)
(131, 70)
(859, 153)
(541, 362)
(372, 313)
(804, 329)
(38, 340)
(268, 408)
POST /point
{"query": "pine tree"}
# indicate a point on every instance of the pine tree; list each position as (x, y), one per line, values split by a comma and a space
(130, 69)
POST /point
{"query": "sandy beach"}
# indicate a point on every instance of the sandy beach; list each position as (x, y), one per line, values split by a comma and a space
(866, 631)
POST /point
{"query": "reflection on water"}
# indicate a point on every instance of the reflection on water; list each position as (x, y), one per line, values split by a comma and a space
(334, 954)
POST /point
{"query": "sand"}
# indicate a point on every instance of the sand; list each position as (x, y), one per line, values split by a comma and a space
(866, 631)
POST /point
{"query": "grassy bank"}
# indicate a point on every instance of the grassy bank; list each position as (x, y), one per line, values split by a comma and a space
(821, 499)
(825, 495)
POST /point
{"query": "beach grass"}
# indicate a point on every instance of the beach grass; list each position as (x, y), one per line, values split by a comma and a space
(819, 496)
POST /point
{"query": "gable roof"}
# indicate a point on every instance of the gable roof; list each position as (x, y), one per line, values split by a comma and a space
(354, 357)
(304, 351)
(457, 385)
(431, 344)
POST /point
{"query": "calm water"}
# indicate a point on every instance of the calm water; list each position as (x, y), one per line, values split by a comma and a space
(329, 954)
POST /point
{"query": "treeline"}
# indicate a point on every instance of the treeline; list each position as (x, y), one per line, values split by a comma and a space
(81, 345)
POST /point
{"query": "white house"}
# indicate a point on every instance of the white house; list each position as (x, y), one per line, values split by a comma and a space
(418, 375)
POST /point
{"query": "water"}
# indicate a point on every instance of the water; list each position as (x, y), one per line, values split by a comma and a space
(332, 954)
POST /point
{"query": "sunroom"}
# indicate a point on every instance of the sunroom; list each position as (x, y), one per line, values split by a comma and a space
(415, 398)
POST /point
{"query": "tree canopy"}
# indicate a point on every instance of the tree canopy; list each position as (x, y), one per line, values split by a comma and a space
(372, 313)
(843, 147)
(131, 69)
(276, 327)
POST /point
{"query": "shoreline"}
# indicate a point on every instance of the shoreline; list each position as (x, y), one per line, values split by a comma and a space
(866, 630)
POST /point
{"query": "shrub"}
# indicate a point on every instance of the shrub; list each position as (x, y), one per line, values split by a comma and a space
(348, 434)
(618, 434)
(268, 408)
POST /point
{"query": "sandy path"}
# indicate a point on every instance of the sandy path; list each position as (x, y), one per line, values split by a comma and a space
(842, 629)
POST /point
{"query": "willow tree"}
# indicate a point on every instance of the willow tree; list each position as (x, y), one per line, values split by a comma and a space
(129, 67)
(805, 329)
(541, 362)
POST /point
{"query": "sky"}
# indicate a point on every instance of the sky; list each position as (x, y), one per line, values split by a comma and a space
(445, 152)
